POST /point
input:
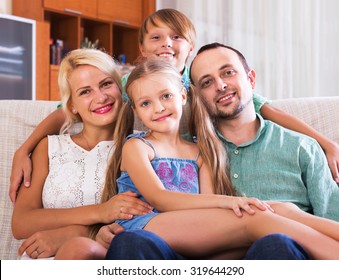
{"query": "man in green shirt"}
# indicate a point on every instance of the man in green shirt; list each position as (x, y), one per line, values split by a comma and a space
(266, 160)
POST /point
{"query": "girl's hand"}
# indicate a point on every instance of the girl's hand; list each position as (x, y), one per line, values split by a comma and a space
(123, 207)
(332, 155)
(106, 234)
(243, 203)
(21, 170)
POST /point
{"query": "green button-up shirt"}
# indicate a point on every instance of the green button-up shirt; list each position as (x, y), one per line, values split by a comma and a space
(283, 165)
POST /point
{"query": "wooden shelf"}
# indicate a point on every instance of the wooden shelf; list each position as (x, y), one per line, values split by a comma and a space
(54, 88)
(116, 26)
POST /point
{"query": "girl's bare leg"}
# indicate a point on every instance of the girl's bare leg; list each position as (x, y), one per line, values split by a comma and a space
(81, 248)
(202, 232)
(293, 212)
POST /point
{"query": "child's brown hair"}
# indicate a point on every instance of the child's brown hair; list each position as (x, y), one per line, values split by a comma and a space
(175, 20)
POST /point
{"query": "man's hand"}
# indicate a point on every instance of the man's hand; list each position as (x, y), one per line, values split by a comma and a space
(107, 233)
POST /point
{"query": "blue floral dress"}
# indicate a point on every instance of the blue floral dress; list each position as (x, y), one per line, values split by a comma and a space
(179, 175)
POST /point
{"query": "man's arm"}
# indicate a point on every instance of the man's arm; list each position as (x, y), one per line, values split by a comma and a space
(330, 147)
(323, 191)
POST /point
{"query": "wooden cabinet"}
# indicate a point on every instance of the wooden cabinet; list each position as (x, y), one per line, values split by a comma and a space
(115, 23)
(80, 7)
(53, 82)
(128, 12)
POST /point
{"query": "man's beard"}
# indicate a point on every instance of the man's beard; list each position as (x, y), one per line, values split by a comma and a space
(218, 115)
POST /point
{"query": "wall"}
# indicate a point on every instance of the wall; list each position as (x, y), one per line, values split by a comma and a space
(292, 45)
(6, 7)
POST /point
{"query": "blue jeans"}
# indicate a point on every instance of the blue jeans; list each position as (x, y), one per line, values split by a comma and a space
(145, 245)
(276, 247)
(140, 245)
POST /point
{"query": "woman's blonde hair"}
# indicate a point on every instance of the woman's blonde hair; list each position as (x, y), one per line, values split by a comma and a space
(175, 20)
(103, 61)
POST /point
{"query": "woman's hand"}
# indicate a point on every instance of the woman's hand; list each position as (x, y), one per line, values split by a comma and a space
(21, 172)
(239, 203)
(123, 207)
(44, 244)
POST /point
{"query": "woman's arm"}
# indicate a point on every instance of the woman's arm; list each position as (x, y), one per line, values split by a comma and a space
(330, 147)
(29, 216)
(49, 241)
(21, 165)
(135, 160)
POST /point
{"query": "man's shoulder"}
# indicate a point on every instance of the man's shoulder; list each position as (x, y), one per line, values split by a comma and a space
(290, 135)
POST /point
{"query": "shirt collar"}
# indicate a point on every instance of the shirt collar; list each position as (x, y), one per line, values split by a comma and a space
(258, 134)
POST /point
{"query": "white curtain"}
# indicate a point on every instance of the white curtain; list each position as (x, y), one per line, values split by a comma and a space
(291, 44)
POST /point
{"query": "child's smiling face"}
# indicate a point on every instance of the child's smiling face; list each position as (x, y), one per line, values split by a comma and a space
(165, 43)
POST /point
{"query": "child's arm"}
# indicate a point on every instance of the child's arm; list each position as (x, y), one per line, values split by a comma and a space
(330, 147)
(135, 160)
(106, 234)
(21, 165)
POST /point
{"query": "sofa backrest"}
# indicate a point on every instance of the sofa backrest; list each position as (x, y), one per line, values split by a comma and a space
(321, 113)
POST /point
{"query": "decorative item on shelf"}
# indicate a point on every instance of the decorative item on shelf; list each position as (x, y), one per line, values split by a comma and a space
(87, 44)
(56, 51)
(124, 67)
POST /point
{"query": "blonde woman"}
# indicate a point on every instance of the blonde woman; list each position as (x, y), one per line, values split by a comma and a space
(69, 170)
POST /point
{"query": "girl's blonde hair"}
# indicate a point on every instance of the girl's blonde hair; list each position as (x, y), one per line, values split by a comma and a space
(125, 122)
(211, 148)
(103, 61)
(175, 20)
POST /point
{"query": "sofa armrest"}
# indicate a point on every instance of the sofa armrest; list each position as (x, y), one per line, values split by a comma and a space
(18, 118)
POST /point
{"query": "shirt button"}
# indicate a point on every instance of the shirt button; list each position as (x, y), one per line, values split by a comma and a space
(236, 152)
(235, 176)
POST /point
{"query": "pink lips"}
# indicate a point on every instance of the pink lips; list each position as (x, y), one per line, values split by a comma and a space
(161, 118)
(104, 109)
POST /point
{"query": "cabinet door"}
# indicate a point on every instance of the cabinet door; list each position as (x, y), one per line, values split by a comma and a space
(128, 12)
(42, 60)
(81, 7)
(53, 86)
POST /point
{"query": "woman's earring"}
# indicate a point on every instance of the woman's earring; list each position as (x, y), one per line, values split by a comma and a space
(74, 111)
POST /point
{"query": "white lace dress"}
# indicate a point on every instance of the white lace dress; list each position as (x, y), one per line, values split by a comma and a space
(76, 176)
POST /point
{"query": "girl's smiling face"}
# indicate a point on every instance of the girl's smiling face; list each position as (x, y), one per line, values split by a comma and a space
(157, 102)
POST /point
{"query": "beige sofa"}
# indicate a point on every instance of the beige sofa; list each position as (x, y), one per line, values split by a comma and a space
(19, 118)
